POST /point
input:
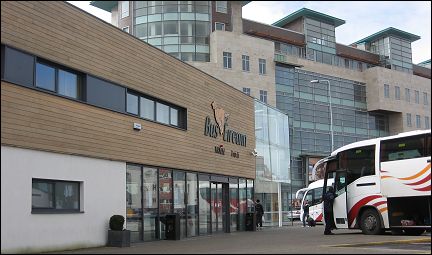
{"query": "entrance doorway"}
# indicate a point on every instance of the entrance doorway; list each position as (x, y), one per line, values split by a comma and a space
(219, 203)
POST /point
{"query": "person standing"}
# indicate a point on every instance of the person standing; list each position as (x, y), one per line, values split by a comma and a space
(305, 212)
(259, 212)
(328, 198)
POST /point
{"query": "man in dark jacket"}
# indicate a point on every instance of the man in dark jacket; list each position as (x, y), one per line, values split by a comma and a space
(259, 212)
(305, 212)
(328, 210)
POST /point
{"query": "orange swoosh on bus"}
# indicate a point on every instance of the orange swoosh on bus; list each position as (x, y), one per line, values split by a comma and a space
(383, 209)
(418, 174)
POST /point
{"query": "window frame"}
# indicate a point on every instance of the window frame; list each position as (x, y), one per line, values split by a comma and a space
(245, 63)
(262, 66)
(55, 210)
(79, 82)
(221, 8)
(220, 23)
(124, 13)
(263, 95)
(228, 57)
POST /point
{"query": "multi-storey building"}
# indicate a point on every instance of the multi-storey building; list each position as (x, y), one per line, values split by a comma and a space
(86, 135)
(368, 89)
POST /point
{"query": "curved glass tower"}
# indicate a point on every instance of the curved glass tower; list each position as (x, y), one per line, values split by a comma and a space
(180, 28)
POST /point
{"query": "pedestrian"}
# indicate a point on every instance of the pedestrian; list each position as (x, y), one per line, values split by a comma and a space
(328, 198)
(259, 212)
(305, 212)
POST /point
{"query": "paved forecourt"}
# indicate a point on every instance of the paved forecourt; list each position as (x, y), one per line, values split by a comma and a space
(289, 239)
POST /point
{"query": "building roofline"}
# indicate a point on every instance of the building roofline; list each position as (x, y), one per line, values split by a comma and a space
(108, 5)
(271, 25)
(389, 31)
(104, 5)
(305, 12)
(425, 62)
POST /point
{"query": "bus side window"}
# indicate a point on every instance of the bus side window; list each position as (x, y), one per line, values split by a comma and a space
(428, 145)
(358, 162)
(403, 148)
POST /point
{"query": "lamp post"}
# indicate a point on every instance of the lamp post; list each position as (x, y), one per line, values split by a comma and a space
(331, 112)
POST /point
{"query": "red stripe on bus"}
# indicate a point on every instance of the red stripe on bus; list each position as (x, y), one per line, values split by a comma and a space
(355, 209)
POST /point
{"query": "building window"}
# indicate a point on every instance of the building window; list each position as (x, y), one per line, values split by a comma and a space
(147, 108)
(386, 91)
(262, 66)
(55, 196)
(220, 26)
(408, 116)
(427, 122)
(59, 80)
(246, 91)
(221, 6)
(245, 63)
(45, 77)
(126, 29)
(227, 60)
(417, 96)
(263, 96)
(425, 98)
(124, 9)
(418, 122)
(132, 103)
(407, 95)
(397, 92)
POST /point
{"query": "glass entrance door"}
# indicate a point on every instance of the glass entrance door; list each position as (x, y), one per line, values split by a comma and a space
(219, 194)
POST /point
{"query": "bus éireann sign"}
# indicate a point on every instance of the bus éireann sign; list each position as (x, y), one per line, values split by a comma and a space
(221, 127)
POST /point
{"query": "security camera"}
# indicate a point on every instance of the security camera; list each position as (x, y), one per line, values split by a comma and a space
(254, 153)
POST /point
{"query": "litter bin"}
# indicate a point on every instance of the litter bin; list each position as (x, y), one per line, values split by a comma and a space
(172, 226)
(250, 221)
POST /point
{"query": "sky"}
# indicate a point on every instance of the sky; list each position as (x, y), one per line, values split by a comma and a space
(362, 18)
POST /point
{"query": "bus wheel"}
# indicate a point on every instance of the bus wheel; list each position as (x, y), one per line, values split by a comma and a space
(370, 222)
(413, 231)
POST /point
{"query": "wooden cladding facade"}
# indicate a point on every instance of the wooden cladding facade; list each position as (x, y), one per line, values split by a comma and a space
(62, 33)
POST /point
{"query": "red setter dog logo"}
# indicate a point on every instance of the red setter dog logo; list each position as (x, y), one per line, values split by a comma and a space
(220, 116)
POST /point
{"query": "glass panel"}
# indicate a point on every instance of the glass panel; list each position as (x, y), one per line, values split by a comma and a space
(162, 113)
(242, 203)
(174, 116)
(133, 202)
(249, 195)
(147, 108)
(204, 205)
(66, 195)
(141, 30)
(165, 191)
(132, 103)
(192, 204)
(68, 84)
(42, 195)
(179, 200)
(170, 28)
(150, 202)
(233, 207)
(45, 77)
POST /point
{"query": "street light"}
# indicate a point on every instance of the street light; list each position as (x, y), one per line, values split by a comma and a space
(331, 113)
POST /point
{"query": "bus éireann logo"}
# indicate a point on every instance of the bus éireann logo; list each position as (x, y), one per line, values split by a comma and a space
(221, 127)
(220, 116)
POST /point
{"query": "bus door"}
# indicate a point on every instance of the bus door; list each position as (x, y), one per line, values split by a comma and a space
(340, 202)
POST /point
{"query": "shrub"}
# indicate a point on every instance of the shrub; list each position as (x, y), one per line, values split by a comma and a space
(116, 222)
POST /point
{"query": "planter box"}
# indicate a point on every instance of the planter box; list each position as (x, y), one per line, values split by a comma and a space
(118, 238)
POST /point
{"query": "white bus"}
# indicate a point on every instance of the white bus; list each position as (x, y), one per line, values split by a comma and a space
(313, 195)
(296, 203)
(383, 183)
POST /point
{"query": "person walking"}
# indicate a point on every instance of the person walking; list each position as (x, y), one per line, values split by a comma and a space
(328, 198)
(305, 212)
(259, 212)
